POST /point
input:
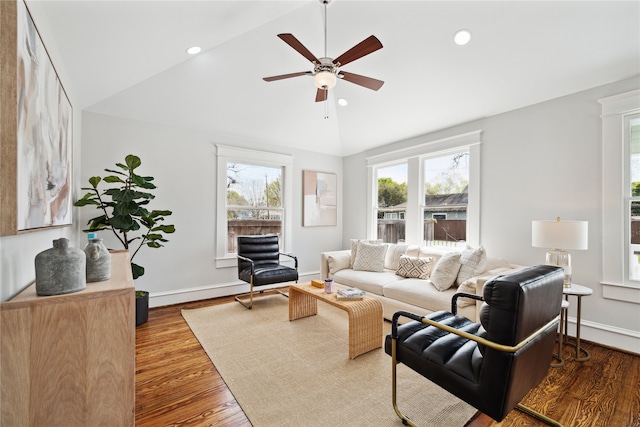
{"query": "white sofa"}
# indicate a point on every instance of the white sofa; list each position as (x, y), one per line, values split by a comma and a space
(416, 295)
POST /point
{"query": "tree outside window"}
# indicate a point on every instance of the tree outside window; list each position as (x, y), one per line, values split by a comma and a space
(254, 201)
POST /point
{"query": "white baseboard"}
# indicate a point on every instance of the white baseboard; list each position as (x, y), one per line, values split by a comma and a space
(160, 299)
(611, 336)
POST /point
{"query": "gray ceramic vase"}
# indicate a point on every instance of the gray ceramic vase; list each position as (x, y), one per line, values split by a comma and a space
(60, 270)
(98, 260)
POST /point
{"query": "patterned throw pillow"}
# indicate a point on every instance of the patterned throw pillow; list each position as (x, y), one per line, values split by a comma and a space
(354, 247)
(446, 270)
(473, 262)
(418, 268)
(369, 257)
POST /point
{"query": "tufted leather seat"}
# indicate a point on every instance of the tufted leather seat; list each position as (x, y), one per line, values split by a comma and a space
(502, 357)
(259, 264)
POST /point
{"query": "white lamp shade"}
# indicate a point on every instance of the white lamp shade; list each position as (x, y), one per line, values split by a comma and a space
(325, 80)
(560, 234)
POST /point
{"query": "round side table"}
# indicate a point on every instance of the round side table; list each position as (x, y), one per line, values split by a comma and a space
(578, 291)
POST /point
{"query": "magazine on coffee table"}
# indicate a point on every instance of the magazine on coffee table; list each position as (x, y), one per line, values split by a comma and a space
(350, 294)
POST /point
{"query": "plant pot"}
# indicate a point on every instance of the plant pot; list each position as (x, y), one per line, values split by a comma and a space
(142, 307)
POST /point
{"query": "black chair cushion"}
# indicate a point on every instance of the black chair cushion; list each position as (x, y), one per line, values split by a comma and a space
(268, 274)
(424, 347)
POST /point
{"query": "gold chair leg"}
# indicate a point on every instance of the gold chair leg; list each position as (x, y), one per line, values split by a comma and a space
(249, 305)
(537, 415)
(405, 420)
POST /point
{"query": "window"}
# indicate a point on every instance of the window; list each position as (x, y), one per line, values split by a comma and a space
(439, 183)
(392, 201)
(253, 198)
(632, 147)
(446, 182)
(620, 197)
(254, 201)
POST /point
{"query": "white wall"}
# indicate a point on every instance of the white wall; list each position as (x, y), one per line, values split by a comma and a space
(184, 166)
(537, 162)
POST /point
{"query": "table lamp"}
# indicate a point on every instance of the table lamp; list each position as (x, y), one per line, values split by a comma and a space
(560, 235)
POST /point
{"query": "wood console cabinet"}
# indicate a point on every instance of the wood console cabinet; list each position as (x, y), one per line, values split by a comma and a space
(69, 360)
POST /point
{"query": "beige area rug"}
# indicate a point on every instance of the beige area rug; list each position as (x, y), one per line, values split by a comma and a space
(299, 373)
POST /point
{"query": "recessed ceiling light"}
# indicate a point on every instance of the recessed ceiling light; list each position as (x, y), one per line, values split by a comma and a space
(342, 102)
(462, 37)
(194, 50)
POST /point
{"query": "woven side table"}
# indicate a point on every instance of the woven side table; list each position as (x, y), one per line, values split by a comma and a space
(365, 316)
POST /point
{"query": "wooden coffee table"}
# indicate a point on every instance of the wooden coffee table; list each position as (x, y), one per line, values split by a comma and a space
(365, 316)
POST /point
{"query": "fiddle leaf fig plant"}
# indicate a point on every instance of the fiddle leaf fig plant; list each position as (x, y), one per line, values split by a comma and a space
(124, 209)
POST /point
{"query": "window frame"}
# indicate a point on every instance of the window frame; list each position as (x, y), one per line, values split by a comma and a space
(414, 156)
(226, 154)
(615, 110)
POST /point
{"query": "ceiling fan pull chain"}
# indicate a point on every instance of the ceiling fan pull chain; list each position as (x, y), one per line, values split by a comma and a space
(326, 107)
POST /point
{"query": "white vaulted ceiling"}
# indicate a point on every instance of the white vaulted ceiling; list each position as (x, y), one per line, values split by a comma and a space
(127, 59)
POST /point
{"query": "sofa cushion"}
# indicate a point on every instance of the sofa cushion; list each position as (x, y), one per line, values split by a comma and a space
(369, 257)
(368, 281)
(411, 267)
(472, 263)
(394, 252)
(338, 262)
(445, 272)
(419, 292)
(354, 247)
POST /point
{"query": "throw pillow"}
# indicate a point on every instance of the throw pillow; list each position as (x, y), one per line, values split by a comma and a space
(418, 268)
(369, 257)
(446, 270)
(394, 252)
(472, 263)
(338, 262)
(354, 247)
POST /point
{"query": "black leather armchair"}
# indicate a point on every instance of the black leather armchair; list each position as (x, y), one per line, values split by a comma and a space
(259, 265)
(493, 364)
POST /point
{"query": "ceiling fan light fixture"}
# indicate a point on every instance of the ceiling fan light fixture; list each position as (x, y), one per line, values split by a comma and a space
(325, 80)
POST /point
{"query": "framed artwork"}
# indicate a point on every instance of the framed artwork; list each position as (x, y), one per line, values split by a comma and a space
(43, 135)
(320, 199)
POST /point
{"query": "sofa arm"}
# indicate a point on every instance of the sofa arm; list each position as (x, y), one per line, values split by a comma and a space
(324, 261)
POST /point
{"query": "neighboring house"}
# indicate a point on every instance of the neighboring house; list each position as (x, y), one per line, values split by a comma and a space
(437, 206)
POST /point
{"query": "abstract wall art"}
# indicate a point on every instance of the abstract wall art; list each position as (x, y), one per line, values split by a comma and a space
(44, 134)
(320, 199)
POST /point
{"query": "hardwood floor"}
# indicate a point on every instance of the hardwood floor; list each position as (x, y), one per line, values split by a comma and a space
(177, 385)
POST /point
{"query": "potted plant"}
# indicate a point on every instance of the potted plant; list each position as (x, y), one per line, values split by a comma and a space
(124, 210)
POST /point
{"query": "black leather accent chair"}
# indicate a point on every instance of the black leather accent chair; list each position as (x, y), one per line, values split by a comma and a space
(493, 364)
(259, 265)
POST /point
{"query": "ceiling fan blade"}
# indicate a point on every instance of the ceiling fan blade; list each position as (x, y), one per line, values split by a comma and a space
(295, 43)
(368, 82)
(286, 76)
(365, 47)
(321, 95)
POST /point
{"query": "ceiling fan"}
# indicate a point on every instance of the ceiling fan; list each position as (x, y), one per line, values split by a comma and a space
(326, 70)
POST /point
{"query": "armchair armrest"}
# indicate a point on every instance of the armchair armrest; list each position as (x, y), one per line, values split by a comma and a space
(454, 300)
(463, 334)
(295, 258)
(244, 258)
